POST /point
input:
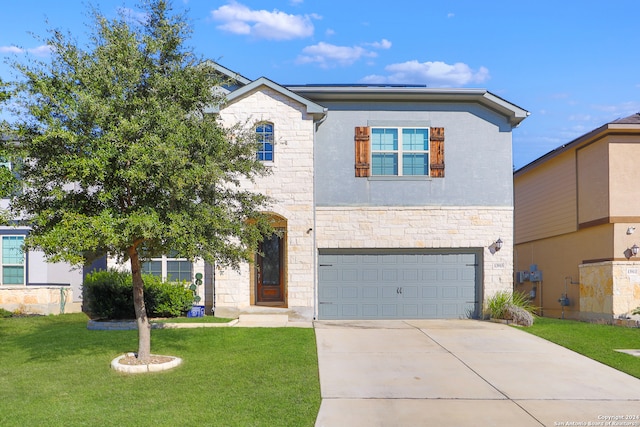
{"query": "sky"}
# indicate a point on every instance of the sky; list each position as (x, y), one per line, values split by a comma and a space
(574, 65)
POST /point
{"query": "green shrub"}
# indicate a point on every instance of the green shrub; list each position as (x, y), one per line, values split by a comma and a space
(5, 313)
(109, 295)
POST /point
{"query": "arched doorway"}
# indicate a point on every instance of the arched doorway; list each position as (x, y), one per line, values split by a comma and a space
(270, 269)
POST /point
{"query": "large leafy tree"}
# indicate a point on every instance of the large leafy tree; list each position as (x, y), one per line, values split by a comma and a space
(121, 158)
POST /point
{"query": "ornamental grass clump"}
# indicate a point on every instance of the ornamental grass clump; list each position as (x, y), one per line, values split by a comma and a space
(515, 306)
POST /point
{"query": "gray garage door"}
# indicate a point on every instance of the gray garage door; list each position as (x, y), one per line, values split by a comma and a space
(397, 285)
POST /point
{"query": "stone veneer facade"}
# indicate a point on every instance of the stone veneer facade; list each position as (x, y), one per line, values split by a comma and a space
(609, 290)
(425, 227)
(290, 184)
(38, 299)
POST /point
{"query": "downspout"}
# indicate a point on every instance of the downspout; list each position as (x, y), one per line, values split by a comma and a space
(314, 247)
(213, 282)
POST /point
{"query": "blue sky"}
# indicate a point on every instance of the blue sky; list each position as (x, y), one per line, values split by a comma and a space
(573, 64)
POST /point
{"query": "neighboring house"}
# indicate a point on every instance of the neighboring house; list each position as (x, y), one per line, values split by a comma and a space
(576, 213)
(389, 201)
(30, 284)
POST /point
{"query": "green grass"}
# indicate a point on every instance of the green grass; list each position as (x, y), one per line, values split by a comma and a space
(595, 341)
(205, 319)
(55, 372)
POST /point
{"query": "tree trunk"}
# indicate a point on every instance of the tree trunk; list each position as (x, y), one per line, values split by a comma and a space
(144, 327)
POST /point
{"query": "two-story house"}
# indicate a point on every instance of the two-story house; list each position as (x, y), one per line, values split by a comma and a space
(576, 213)
(390, 200)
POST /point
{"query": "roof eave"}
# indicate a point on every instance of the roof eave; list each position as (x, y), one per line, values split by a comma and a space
(514, 113)
(587, 138)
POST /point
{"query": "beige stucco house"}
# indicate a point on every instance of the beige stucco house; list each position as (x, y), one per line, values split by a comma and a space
(576, 213)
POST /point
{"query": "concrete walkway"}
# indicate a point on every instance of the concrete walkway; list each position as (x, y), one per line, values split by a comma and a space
(463, 373)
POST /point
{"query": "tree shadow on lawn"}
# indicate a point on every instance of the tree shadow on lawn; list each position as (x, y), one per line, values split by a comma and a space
(52, 338)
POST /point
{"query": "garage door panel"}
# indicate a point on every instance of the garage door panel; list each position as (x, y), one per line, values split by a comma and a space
(450, 310)
(429, 292)
(429, 275)
(390, 275)
(410, 311)
(429, 311)
(409, 275)
(468, 294)
(450, 292)
(389, 292)
(449, 274)
(401, 285)
(389, 310)
(350, 275)
(370, 275)
(410, 292)
(329, 293)
(371, 292)
(350, 292)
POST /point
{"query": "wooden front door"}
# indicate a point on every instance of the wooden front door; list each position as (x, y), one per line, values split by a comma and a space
(270, 270)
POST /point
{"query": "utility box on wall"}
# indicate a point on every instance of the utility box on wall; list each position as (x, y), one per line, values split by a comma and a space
(522, 276)
(535, 276)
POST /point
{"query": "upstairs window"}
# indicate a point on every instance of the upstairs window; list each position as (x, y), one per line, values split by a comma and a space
(264, 132)
(399, 151)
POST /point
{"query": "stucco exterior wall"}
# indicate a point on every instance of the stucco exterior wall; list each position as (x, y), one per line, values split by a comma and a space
(477, 155)
(593, 181)
(624, 152)
(411, 227)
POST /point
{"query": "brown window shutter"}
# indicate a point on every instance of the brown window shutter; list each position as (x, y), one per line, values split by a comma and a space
(363, 146)
(436, 152)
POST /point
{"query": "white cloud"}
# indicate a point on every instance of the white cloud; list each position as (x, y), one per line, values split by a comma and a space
(237, 18)
(327, 55)
(382, 44)
(11, 49)
(450, 15)
(43, 50)
(435, 74)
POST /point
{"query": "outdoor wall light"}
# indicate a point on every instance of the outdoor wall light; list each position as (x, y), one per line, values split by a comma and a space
(498, 245)
(634, 250)
(630, 230)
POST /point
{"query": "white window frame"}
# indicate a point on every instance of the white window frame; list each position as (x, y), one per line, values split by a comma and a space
(262, 143)
(164, 260)
(400, 151)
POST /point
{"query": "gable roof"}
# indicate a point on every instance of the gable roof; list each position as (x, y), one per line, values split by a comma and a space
(314, 109)
(625, 125)
(239, 78)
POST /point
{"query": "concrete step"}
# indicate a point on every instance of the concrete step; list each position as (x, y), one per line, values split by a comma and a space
(263, 320)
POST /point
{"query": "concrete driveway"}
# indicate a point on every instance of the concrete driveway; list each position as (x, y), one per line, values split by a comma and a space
(463, 373)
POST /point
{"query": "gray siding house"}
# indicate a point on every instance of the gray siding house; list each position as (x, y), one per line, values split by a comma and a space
(391, 202)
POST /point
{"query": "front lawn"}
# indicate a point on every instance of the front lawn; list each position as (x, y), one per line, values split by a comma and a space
(55, 372)
(597, 342)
